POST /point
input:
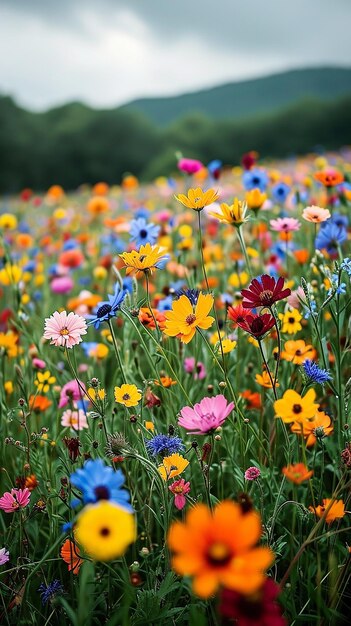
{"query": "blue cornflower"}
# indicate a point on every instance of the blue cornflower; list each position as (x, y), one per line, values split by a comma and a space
(142, 212)
(165, 304)
(214, 167)
(127, 284)
(314, 373)
(191, 294)
(107, 309)
(255, 179)
(70, 244)
(346, 266)
(142, 232)
(48, 592)
(98, 481)
(280, 192)
(340, 220)
(330, 237)
(164, 445)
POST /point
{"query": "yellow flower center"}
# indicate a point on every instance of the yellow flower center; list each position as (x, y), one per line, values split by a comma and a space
(64, 331)
(218, 554)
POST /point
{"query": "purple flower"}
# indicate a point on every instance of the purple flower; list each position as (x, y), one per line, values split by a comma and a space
(252, 473)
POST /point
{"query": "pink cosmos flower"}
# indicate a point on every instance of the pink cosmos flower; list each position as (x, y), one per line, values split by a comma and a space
(252, 473)
(285, 224)
(65, 330)
(197, 369)
(206, 416)
(179, 488)
(4, 556)
(74, 419)
(315, 214)
(189, 166)
(38, 363)
(71, 391)
(62, 284)
(15, 499)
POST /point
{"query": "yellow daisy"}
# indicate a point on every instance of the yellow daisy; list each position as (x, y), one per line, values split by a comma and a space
(127, 395)
(198, 199)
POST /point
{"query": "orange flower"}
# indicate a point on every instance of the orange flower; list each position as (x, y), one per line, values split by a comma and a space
(98, 205)
(71, 258)
(165, 381)
(319, 426)
(218, 549)
(329, 177)
(100, 189)
(55, 193)
(31, 482)
(146, 319)
(335, 510)
(315, 214)
(264, 380)
(297, 473)
(301, 256)
(298, 351)
(253, 399)
(71, 555)
(39, 403)
(185, 317)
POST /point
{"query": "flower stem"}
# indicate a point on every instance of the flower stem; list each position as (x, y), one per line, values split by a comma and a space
(244, 251)
(117, 352)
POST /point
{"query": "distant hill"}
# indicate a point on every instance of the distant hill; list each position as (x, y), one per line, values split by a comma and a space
(250, 97)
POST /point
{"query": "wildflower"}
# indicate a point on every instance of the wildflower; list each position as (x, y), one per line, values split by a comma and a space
(8, 221)
(280, 192)
(98, 481)
(38, 403)
(43, 381)
(65, 330)
(257, 325)
(255, 199)
(335, 510)
(330, 237)
(127, 395)
(329, 177)
(49, 592)
(285, 224)
(264, 380)
(255, 179)
(320, 424)
(206, 415)
(252, 473)
(4, 556)
(141, 232)
(9, 344)
(253, 399)
(105, 530)
(294, 408)
(107, 309)
(147, 318)
(146, 260)
(14, 500)
(346, 266)
(298, 351)
(198, 199)
(297, 473)
(218, 549)
(10, 274)
(346, 455)
(315, 214)
(72, 444)
(260, 609)
(172, 466)
(98, 205)
(180, 489)
(189, 166)
(31, 482)
(191, 294)
(117, 445)
(183, 320)
(150, 399)
(72, 391)
(314, 373)
(291, 321)
(75, 419)
(197, 369)
(234, 214)
(165, 381)
(71, 555)
(164, 445)
(264, 291)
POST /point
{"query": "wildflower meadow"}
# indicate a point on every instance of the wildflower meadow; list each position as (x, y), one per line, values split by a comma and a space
(175, 398)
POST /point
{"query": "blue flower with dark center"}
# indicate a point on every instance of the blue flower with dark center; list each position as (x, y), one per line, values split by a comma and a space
(142, 232)
(191, 294)
(339, 220)
(330, 237)
(314, 373)
(164, 445)
(106, 310)
(48, 592)
(98, 481)
(255, 179)
(280, 192)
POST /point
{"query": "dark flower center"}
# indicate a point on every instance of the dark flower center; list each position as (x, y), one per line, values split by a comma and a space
(101, 493)
(218, 555)
(291, 320)
(126, 397)
(257, 325)
(104, 310)
(266, 297)
(104, 532)
(143, 233)
(297, 408)
(190, 319)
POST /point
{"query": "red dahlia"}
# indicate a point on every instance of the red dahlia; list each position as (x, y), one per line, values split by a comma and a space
(262, 609)
(264, 291)
(257, 325)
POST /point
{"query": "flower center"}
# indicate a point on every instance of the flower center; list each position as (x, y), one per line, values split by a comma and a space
(297, 408)
(101, 492)
(104, 310)
(104, 532)
(126, 397)
(291, 320)
(178, 489)
(190, 319)
(266, 296)
(218, 554)
(143, 233)
(64, 331)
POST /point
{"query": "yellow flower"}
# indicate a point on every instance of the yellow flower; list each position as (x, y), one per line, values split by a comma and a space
(185, 231)
(10, 274)
(255, 198)
(294, 408)
(238, 280)
(100, 351)
(127, 395)
(198, 199)
(93, 393)
(44, 380)
(100, 272)
(150, 426)
(105, 530)
(185, 318)
(8, 386)
(147, 259)
(172, 465)
(8, 344)
(228, 345)
(291, 321)
(232, 214)
(8, 221)
(264, 380)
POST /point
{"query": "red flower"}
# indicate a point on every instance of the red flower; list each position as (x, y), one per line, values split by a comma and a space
(257, 325)
(264, 291)
(262, 609)
(237, 314)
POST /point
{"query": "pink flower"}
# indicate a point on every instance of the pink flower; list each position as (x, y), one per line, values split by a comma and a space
(189, 166)
(62, 284)
(206, 416)
(295, 298)
(252, 473)
(315, 214)
(65, 330)
(74, 419)
(71, 391)
(4, 556)
(180, 488)
(38, 363)
(197, 369)
(285, 224)
(14, 500)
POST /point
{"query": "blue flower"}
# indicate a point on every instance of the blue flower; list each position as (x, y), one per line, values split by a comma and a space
(164, 445)
(255, 179)
(340, 220)
(330, 237)
(280, 192)
(191, 294)
(108, 309)
(313, 310)
(48, 592)
(98, 481)
(70, 244)
(346, 266)
(127, 284)
(142, 212)
(314, 373)
(142, 232)
(165, 304)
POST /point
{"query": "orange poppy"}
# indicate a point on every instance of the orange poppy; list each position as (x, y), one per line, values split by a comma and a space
(329, 177)
(146, 319)
(297, 473)
(39, 403)
(253, 399)
(335, 510)
(71, 555)
(71, 258)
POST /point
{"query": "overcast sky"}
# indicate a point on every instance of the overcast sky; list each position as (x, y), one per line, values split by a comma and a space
(107, 52)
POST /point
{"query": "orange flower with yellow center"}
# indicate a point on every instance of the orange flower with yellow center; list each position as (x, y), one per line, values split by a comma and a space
(184, 318)
(197, 199)
(298, 351)
(165, 381)
(329, 509)
(219, 549)
(264, 380)
(319, 426)
(145, 260)
(294, 408)
(172, 466)
(297, 473)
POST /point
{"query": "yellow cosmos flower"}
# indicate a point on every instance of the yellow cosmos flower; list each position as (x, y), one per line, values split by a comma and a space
(264, 380)
(291, 321)
(184, 318)
(8, 221)
(10, 274)
(255, 199)
(232, 214)
(127, 395)
(8, 386)
(8, 344)
(172, 465)
(105, 530)
(294, 408)
(198, 199)
(96, 393)
(44, 380)
(145, 260)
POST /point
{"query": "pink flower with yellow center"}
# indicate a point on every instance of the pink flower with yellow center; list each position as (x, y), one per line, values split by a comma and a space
(65, 330)
(14, 500)
(206, 416)
(180, 488)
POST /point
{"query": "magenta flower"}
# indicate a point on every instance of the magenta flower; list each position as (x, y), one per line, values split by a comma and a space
(197, 369)
(71, 391)
(206, 416)
(285, 224)
(14, 500)
(38, 363)
(74, 419)
(252, 473)
(65, 330)
(179, 488)
(4, 556)
(189, 166)
(62, 284)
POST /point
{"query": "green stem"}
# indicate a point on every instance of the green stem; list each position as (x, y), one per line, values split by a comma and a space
(117, 352)
(244, 251)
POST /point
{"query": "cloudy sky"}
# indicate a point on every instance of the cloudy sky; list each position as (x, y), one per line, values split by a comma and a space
(107, 52)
